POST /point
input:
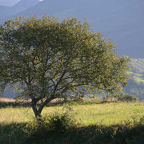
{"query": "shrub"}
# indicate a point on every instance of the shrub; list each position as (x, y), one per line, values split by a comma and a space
(121, 97)
(57, 122)
(61, 121)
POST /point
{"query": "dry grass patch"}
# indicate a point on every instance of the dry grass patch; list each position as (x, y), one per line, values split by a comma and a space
(7, 100)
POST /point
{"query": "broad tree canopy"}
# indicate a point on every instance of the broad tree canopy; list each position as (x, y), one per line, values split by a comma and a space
(48, 59)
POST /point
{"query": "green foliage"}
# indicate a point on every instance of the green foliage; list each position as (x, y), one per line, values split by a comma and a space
(128, 132)
(123, 97)
(47, 59)
(2, 88)
(60, 122)
(57, 122)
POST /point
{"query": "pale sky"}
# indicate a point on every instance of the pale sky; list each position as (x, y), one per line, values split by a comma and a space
(8, 2)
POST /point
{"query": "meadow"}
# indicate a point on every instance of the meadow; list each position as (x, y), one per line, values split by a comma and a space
(95, 123)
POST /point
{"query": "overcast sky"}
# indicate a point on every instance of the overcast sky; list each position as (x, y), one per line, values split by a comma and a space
(8, 2)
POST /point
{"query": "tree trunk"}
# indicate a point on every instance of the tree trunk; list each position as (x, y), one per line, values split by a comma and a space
(37, 115)
(35, 110)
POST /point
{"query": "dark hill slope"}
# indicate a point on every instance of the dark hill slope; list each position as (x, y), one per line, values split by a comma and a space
(4, 10)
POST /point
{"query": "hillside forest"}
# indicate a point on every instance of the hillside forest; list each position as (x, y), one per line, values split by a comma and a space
(136, 82)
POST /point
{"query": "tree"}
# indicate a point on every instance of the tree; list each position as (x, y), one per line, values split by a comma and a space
(49, 59)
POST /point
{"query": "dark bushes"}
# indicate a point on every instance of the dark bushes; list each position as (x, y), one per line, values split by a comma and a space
(123, 97)
(57, 122)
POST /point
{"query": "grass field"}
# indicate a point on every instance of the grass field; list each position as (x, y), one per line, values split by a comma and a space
(110, 123)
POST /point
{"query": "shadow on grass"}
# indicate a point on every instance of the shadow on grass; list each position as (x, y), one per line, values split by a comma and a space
(12, 133)
(96, 134)
(28, 104)
(13, 104)
(58, 103)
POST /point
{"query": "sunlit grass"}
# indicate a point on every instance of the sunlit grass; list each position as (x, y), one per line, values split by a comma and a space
(18, 115)
(107, 114)
(139, 79)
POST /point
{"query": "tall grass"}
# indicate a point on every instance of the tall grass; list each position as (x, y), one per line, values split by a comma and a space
(120, 123)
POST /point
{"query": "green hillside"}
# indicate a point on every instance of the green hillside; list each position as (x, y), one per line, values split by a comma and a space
(136, 82)
(137, 70)
(137, 65)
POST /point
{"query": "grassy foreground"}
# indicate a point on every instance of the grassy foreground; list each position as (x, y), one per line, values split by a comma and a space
(110, 123)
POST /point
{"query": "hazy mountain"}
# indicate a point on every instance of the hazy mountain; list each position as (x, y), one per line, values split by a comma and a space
(122, 20)
(6, 12)
(24, 4)
(8, 2)
(3, 10)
